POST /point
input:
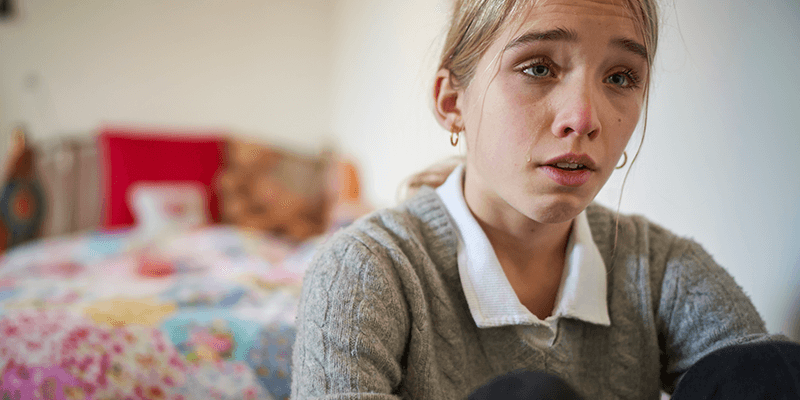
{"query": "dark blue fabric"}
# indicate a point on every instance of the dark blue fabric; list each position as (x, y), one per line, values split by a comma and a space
(21, 228)
(767, 370)
(522, 384)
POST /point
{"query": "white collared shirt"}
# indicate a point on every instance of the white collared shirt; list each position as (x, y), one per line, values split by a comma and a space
(493, 302)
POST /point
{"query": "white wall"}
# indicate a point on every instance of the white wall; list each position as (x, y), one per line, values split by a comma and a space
(260, 67)
(387, 53)
(717, 164)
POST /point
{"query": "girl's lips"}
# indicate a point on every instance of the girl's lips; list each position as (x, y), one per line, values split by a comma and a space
(567, 178)
(573, 158)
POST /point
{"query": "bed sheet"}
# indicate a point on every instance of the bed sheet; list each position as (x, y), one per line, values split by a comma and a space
(207, 314)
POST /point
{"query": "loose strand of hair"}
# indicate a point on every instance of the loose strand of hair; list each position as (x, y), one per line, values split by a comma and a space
(625, 179)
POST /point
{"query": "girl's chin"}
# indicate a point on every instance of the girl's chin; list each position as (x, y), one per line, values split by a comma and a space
(554, 211)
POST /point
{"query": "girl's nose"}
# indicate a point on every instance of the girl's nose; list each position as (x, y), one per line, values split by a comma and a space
(577, 112)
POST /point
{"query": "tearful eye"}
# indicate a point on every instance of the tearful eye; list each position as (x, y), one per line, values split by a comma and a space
(627, 79)
(537, 70)
(619, 80)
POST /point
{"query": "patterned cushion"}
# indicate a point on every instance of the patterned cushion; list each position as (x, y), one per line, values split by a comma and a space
(274, 190)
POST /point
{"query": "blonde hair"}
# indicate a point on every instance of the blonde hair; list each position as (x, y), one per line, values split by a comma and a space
(474, 26)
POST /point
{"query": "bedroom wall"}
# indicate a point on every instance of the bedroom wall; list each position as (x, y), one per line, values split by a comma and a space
(259, 67)
(723, 132)
(387, 54)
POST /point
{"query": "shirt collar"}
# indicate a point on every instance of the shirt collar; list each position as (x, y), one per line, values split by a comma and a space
(492, 301)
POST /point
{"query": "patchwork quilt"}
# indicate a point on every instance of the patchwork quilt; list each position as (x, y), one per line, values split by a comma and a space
(205, 314)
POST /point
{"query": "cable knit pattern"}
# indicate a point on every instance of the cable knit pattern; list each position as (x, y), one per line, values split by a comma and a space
(383, 314)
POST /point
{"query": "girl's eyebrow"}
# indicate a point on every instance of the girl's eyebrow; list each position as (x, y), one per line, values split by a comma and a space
(536, 36)
(562, 34)
(631, 46)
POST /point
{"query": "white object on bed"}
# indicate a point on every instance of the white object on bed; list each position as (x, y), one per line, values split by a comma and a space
(168, 207)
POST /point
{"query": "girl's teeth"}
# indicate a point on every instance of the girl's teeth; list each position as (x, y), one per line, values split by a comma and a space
(569, 166)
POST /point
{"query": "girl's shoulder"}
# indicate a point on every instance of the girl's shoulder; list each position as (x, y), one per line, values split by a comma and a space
(634, 246)
(422, 218)
(673, 267)
(417, 229)
(619, 233)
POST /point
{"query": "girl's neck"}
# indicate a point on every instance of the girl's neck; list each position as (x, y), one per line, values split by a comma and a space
(524, 241)
(532, 257)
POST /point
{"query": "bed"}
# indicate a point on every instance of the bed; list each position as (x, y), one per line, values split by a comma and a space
(160, 286)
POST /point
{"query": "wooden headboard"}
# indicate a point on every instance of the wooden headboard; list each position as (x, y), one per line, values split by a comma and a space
(68, 170)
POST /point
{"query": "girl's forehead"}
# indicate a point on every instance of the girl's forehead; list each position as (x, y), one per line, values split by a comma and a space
(531, 10)
(575, 15)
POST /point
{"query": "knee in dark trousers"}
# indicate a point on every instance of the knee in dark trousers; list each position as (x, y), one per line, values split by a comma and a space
(766, 370)
(527, 385)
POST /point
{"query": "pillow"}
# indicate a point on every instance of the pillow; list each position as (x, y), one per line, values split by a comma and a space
(275, 191)
(135, 155)
(161, 207)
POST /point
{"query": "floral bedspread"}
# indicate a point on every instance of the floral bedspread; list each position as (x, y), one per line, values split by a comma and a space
(207, 314)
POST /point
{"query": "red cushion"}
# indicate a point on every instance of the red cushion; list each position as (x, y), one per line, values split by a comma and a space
(130, 155)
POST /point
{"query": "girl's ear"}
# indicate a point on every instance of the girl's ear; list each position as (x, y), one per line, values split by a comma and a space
(445, 99)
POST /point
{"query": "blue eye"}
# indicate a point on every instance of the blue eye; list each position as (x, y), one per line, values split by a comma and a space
(618, 79)
(538, 70)
(627, 79)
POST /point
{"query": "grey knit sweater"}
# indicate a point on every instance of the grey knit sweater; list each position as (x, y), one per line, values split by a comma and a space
(383, 314)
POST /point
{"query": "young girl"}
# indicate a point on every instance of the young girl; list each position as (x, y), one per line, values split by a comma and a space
(508, 265)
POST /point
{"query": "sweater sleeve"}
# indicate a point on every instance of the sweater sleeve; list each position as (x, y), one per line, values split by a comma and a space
(701, 309)
(352, 325)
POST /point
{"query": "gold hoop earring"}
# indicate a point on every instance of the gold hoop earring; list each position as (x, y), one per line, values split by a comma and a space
(624, 161)
(454, 135)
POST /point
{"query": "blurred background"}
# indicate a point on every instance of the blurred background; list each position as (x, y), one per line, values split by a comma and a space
(717, 164)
